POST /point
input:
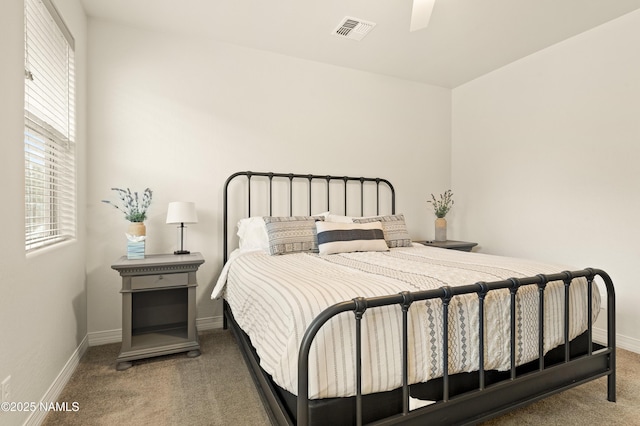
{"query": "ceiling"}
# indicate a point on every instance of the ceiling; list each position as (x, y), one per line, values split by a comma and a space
(464, 40)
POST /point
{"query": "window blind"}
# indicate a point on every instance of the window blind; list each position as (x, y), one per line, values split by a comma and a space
(49, 131)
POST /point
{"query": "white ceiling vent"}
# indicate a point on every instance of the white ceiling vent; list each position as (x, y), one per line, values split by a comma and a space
(353, 28)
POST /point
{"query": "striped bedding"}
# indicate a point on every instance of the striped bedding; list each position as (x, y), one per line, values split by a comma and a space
(275, 298)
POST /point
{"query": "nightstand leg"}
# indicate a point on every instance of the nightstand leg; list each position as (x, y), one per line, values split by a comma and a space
(121, 366)
(193, 354)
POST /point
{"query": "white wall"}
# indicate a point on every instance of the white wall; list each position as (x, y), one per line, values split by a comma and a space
(42, 296)
(179, 115)
(545, 158)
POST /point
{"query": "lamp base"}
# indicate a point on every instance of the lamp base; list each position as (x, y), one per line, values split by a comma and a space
(181, 252)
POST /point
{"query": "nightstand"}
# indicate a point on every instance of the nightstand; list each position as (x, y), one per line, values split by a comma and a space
(450, 244)
(158, 306)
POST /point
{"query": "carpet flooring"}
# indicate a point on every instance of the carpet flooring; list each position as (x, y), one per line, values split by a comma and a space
(216, 389)
(213, 389)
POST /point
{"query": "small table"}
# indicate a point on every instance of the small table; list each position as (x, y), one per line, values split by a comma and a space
(158, 306)
(450, 244)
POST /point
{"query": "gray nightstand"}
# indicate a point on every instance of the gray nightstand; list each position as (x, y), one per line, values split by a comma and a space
(158, 306)
(450, 244)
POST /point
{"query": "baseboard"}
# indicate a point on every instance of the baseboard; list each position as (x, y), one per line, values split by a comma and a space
(628, 343)
(622, 342)
(209, 323)
(98, 338)
(54, 391)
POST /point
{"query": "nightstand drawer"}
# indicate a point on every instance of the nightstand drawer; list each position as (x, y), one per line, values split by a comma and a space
(159, 281)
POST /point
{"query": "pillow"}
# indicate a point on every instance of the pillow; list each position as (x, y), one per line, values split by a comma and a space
(292, 234)
(336, 237)
(336, 218)
(253, 234)
(394, 227)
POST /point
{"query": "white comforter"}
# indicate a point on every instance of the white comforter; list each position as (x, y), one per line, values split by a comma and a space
(275, 298)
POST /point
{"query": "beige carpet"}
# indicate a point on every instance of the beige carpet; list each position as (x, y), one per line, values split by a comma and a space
(212, 389)
(216, 389)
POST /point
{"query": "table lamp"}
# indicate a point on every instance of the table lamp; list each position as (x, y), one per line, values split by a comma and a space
(182, 212)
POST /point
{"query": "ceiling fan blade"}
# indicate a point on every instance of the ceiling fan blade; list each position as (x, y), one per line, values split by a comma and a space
(421, 14)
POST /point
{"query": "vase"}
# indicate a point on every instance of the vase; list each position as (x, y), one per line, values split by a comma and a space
(136, 234)
(137, 229)
(441, 229)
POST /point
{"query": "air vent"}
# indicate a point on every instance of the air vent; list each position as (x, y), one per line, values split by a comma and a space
(353, 28)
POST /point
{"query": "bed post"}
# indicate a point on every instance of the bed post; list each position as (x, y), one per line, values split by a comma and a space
(611, 332)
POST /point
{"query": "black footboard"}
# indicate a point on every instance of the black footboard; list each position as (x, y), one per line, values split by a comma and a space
(487, 400)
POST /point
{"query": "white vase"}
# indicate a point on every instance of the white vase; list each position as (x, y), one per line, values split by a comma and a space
(441, 229)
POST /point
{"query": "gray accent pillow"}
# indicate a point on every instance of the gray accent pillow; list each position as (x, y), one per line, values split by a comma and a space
(292, 234)
(394, 227)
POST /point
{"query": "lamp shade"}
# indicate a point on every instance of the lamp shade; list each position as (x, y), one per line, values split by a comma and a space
(182, 212)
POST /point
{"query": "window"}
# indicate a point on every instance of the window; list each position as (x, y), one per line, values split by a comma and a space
(49, 127)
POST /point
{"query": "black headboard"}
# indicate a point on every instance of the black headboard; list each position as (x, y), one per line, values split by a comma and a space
(291, 179)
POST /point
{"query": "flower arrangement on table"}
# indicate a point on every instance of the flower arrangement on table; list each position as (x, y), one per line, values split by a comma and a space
(442, 206)
(133, 206)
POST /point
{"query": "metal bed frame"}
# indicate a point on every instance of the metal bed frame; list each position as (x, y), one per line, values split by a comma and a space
(488, 399)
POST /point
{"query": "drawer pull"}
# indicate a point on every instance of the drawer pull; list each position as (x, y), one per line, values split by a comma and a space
(159, 281)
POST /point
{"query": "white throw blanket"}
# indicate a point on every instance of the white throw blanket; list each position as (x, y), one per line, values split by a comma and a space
(275, 298)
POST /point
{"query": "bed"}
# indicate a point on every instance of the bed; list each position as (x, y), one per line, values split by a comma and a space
(343, 320)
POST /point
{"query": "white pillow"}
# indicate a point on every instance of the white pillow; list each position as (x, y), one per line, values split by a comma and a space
(253, 234)
(336, 218)
(336, 237)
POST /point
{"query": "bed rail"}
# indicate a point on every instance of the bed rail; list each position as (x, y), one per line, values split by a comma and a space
(486, 401)
(291, 178)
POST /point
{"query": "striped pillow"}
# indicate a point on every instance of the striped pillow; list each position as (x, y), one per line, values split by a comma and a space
(336, 237)
(292, 234)
(394, 227)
